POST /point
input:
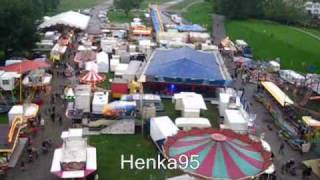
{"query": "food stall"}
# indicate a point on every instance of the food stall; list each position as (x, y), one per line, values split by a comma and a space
(189, 123)
(100, 99)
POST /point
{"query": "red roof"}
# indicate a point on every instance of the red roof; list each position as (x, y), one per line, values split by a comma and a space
(25, 66)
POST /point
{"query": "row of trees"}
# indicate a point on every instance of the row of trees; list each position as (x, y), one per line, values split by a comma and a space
(127, 5)
(18, 23)
(283, 11)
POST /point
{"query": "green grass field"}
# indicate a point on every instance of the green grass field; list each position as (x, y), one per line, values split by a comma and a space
(180, 5)
(212, 113)
(66, 5)
(119, 16)
(270, 40)
(3, 118)
(109, 151)
(200, 13)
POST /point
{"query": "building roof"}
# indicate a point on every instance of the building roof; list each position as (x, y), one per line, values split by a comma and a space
(184, 63)
(25, 66)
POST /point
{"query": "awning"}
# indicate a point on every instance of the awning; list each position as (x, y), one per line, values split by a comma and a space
(314, 164)
(277, 93)
(309, 121)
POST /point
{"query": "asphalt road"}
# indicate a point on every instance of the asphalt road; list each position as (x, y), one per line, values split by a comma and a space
(218, 29)
(94, 23)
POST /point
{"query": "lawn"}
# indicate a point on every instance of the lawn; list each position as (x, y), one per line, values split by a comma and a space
(119, 16)
(270, 40)
(109, 151)
(3, 118)
(212, 113)
(180, 5)
(106, 84)
(200, 13)
(145, 3)
(66, 5)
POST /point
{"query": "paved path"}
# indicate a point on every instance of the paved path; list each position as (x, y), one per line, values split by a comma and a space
(271, 136)
(94, 23)
(218, 29)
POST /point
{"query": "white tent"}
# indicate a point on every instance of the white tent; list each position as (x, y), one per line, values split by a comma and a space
(189, 103)
(69, 18)
(132, 70)
(103, 62)
(161, 128)
(91, 66)
(16, 110)
(236, 121)
(100, 99)
(121, 69)
(189, 123)
(224, 102)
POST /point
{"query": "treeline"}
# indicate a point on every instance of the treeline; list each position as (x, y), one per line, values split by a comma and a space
(19, 23)
(283, 11)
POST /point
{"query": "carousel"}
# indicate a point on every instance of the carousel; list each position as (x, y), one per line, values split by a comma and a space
(93, 78)
(221, 154)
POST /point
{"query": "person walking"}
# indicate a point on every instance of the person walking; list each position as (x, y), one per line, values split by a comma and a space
(281, 148)
(306, 173)
(22, 166)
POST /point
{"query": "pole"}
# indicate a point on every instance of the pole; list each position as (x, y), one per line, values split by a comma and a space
(141, 108)
(20, 84)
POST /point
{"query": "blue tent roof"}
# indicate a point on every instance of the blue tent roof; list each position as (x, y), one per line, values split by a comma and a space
(190, 28)
(184, 63)
(155, 20)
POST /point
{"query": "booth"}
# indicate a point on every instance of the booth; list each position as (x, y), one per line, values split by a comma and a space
(228, 101)
(8, 80)
(103, 62)
(27, 111)
(189, 123)
(119, 87)
(147, 99)
(100, 99)
(83, 97)
(121, 69)
(160, 129)
(292, 77)
(236, 121)
(75, 158)
(189, 103)
(132, 70)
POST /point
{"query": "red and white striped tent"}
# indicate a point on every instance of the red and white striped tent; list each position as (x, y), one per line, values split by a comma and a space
(92, 78)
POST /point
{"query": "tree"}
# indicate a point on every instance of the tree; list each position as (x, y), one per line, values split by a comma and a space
(127, 5)
(18, 27)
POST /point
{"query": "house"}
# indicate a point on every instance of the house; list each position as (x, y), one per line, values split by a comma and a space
(313, 8)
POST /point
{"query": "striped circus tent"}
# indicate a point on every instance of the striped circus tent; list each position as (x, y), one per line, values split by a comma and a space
(92, 78)
(218, 154)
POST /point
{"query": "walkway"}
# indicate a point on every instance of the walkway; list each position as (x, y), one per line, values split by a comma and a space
(218, 29)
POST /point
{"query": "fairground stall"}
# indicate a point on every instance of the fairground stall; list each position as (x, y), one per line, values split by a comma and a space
(284, 113)
(11, 145)
(75, 158)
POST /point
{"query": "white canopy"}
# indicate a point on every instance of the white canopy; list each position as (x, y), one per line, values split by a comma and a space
(103, 62)
(188, 123)
(69, 18)
(189, 100)
(91, 66)
(235, 120)
(161, 128)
